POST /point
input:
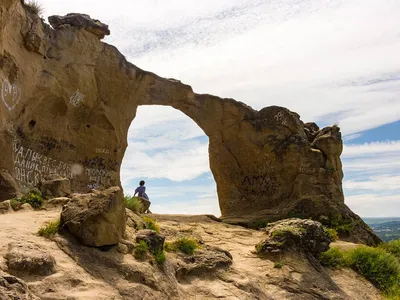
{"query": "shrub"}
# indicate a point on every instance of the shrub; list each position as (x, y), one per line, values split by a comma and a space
(34, 198)
(346, 228)
(376, 265)
(258, 247)
(159, 257)
(50, 229)
(185, 245)
(141, 250)
(333, 258)
(151, 224)
(392, 247)
(34, 6)
(332, 233)
(133, 203)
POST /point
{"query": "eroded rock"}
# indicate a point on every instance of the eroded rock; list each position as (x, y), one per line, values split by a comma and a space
(96, 219)
(28, 259)
(295, 234)
(5, 207)
(264, 162)
(14, 288)
(54, 186)
(152, 239)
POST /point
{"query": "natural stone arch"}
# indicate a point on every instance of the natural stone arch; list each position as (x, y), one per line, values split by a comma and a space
(76, 97)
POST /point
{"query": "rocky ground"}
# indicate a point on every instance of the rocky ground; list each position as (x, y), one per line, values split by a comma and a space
(82, 272)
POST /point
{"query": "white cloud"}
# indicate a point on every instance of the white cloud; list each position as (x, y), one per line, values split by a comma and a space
(372, 148)
(380, 183)
(374, 205)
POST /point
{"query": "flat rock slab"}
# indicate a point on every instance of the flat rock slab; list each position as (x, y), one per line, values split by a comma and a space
(28, 259)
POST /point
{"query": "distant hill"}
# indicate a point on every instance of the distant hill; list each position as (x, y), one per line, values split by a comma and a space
(386, 228)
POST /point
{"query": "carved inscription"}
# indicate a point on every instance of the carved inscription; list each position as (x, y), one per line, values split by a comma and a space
(279, 117)
(105, 151)
(10, 94)
(260, 185)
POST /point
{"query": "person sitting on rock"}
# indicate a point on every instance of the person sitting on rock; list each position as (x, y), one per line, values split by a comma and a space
(141, 190)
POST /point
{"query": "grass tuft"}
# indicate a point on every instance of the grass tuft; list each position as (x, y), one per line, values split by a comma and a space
(392, 247)
(50, 229)
(34, 6)
(151, 224)
(141, 250)
(159, 257)
(333, 258)
(185, 245)
(332, 233)
(133, 203)
(278, 265)
(33, 198)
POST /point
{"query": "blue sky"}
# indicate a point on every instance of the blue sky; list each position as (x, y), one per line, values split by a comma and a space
(328, 60)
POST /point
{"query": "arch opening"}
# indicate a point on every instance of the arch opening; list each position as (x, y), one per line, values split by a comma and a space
(169, 151)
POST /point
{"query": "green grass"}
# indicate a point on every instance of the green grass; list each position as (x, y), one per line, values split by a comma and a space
(141, 250)
(333, 258)
(332, 233)
(185, 245)
(151, 224)
(33, 198)
(375, 264)
(284, 230)
(159, 257)
(50, 229)
(133, 203)
(392, 247)
(278, 265)
(258, 247)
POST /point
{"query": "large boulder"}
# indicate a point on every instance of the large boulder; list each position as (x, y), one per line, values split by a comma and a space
(97, 218)
(53, 186)
(9, 187)
(295, 234)
(28, 259)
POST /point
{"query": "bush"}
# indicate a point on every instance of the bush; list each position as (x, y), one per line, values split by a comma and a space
(332, 233)
(50, 229)
(185, 245)
(333, 258)
(159, 257)
(33, 198)
(141, 250)
(34, 6)
(151, 224)
(133, 203)
(392, 247)
(376, 265)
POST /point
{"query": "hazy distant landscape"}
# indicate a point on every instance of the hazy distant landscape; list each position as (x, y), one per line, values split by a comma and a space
(386, 228)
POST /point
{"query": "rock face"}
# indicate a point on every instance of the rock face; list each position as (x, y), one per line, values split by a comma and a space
(14, 288)
(264, 162)
(295, 234)
(28, 259)
(53, 186)
(152, 239)
(96, 219)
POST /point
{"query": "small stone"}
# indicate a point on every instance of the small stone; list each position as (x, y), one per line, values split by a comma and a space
(5, 207)
(26, 207)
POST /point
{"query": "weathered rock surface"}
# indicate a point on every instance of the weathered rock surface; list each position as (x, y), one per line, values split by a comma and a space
(14, 288)
(96, 219)
(152, 239)
(264, 162)
(306, 236)
(9, 188)
(60, 201)
(5, 207)
(53, 186)
(27, 259)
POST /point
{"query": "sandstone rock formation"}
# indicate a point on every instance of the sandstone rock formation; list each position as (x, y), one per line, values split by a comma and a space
(28, 259)
(305, 236)
(53, 186)
(14, 288)
(68, 100)
(96, 219)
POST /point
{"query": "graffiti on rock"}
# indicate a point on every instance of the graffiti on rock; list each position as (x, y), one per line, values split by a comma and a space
(10, 94)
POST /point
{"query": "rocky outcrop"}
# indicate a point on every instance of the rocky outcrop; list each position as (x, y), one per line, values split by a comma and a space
(96, 219)
(152, 239)
(27, 259)
(14, 288)
(53, 186)
(306, 236)
(264, 162)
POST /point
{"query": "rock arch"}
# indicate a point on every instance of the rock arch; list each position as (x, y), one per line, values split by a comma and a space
(69, 100)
